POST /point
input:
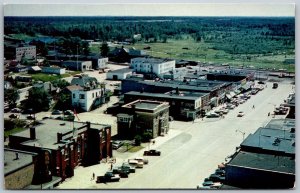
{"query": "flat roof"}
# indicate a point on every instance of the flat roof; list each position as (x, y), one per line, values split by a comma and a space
(46, 132)
(146, 104)
(122, 70)
(275, 136)
(12, 164)
(284, 164)
(181, 96)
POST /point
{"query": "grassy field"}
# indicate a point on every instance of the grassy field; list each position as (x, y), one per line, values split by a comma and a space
(188, 49)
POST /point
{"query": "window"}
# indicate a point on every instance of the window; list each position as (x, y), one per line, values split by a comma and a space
(73, 96)
(81, 96)
(93, 95)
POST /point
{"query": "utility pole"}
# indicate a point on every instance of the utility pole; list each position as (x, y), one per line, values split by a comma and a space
(77, 58)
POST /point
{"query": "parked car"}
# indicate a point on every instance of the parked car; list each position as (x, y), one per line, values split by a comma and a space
(16, 110)
(30, 117)
(141, 159)
(220, 172)
(123, 172)
(56, 112)
(117, 144)
(213, 115)
(241, 114)
(68, 112)
(108, 177)
(207, 183)
(136, 164)
(126, 166)
(224, 111)
(216, 178)
(261, 82)
(152, 152)
(13, 116)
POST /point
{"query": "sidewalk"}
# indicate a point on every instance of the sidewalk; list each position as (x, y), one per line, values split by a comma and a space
(82, 178)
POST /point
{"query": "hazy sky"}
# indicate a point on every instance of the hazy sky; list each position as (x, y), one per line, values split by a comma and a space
(182, 9)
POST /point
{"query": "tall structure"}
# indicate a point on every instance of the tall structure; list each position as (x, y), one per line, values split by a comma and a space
(142, 116)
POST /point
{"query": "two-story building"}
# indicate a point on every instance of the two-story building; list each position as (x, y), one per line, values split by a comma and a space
(150, 66)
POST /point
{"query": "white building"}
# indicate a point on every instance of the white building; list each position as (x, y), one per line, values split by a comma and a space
(87, 99)
(77, 65)
(119, 74)
(102, 63)
(53, 70)
(152, 65)
(28, 52)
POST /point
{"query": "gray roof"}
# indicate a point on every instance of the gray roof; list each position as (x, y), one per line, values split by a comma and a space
(122, 70)
(182, 96)
(46, 132)
(12, 164)
(84, 81)
(268, 162)
(276, 136)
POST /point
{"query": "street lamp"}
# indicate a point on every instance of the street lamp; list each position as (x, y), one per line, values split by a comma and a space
(241, 133)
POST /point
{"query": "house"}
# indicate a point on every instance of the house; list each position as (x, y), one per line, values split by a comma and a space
(85, 81)
(142, 116)
(61, 146)
(119, 74)
(19, 68)
(152, 66)
(45, 86)
(19, 51)
(119, 55)
(89, 99)
(53, 70)
(98, 62)
(34, 69)
(136, 53)
(77, 65)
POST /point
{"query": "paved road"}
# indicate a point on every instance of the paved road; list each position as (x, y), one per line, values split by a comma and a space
(194, 154)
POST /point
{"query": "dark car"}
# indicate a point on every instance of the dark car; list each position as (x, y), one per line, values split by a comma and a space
(220, 172)
(56, 112)
(30, 117)
(152, 152)
(216, 178)
(121, 171)
(13, 116)
(261, 82)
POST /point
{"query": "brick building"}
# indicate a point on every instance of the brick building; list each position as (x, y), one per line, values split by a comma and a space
(63, 145)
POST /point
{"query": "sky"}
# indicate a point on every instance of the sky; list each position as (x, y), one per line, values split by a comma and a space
(174, 9)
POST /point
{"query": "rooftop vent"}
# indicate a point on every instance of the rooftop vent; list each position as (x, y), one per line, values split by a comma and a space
(293, 144)
(62, 124)
(292, 130)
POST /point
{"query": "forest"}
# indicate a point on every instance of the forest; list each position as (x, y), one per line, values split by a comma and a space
(234, 35)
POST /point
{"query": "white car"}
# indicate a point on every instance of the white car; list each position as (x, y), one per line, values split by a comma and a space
(241, 114)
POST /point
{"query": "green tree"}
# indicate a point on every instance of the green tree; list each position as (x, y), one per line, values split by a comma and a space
(146, 136)
(104, 49)
(85, 48)
(64, 102)
(60, 83)
(137, 140)
(38, 100)
(11, 96)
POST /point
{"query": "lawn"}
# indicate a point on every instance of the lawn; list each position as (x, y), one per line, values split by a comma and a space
(12, 131)
(51, 77)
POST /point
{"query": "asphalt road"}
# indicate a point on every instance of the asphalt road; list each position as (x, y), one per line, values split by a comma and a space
(195, 153)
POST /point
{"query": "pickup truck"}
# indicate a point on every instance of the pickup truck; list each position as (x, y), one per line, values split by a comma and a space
(108, 177)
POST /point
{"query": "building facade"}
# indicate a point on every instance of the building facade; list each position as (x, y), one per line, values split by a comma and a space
(28, 52)
(53, 70)
(77, 65)
(120, 74)
(155, 66)
(87, 100)
(142, 116)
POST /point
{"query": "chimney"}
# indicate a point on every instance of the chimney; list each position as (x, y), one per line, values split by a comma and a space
(32, 133)
(88, 125)
(59, 137)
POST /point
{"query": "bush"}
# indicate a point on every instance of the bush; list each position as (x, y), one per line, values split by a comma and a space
(137, 140)
(11, 124)
(146, 136)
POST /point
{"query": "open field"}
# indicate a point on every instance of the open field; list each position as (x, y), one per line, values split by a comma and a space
(204, 52)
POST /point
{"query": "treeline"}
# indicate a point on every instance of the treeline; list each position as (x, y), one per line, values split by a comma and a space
(231, 34)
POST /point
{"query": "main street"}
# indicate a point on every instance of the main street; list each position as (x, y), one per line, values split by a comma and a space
(195, 153)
